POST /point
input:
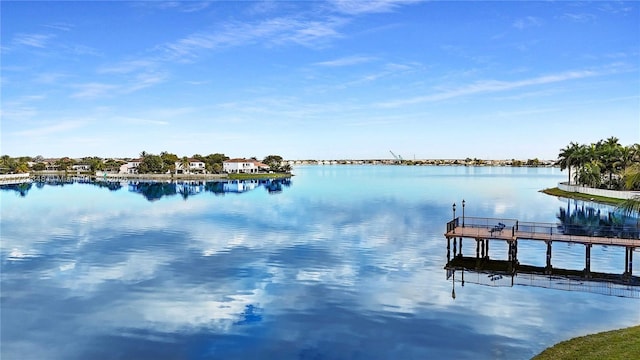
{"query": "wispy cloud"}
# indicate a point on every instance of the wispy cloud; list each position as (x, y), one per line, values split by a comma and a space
(136, 83)
(345, 61)
(49, 78)
(490, 86)
(125, 67)
(141, 121)
(527, 22)
(581, 18)
(42, 44)
(388, 70)
(33, 40)
(356, 7)
(20, 108)
(16, 112)
(181, 6)
(51, 129)
(616, 8)
(142, 81)
(61, 26)
(193, 6)
(93, 90)
(77, 49)
(276, 31)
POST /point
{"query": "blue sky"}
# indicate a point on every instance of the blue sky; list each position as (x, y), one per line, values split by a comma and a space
(318, 80)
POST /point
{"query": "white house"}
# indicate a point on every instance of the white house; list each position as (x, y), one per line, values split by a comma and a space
(248, 166)
(81, 167)
(195, 166)
(131, 167)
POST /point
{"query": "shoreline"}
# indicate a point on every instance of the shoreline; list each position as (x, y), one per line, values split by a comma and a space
(582, 196)
(162, 177)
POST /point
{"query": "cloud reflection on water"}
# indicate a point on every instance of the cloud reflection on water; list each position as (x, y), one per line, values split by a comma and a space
(317, 273)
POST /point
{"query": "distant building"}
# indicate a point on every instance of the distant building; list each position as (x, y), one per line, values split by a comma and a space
(81, 167)
(195, 167)
(131, 167)
(247, 166)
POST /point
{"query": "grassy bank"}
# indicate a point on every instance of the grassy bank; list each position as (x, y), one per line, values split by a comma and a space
(242, 176)
(580, 196)
(610, 345)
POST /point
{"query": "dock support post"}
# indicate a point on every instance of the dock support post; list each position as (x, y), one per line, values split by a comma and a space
(628, 261)
(548, 269)
(460, 246)
(487, 249)
(477, 248)
(455, 247)
(587, 260)
(513, 250)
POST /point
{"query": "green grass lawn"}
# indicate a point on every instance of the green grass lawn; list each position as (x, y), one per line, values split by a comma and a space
(580, 196)
(621, 344)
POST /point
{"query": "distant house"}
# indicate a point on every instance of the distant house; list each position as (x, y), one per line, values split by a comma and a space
(50, 164)
(247, 166)
(195, 167)
(131, 167)
(81, 167)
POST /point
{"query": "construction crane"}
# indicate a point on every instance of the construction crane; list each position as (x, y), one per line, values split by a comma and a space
(398, 158)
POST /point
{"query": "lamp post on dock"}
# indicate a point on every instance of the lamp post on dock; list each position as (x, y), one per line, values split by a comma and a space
(462, 212)
(454, 222)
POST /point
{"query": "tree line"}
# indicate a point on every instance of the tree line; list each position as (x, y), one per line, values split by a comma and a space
(149, 163)
(603, 164)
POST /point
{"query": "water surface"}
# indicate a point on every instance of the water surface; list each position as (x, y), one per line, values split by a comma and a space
(341, 262)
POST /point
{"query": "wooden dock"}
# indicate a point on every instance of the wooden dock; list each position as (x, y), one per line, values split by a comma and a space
(482, 230)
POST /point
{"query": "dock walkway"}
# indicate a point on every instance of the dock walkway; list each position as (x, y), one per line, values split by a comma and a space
(512, 231)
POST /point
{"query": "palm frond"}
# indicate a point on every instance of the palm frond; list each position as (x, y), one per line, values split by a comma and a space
(630, 206)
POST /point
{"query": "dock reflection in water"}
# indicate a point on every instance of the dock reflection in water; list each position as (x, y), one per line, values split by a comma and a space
(507, 274)
(578, 218)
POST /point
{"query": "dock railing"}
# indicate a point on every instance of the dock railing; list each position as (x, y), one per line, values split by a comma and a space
(574, 231)
(481, 227)
(510, 228)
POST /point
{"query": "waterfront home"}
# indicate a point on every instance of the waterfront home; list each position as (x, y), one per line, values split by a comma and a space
(50, 164)
(131, 167)
(247, 166)
(195, 167)
(81, 167)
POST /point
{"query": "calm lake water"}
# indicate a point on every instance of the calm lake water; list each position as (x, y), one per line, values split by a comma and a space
(341, 262)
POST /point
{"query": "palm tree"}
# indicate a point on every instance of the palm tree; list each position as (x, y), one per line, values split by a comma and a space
(626, 157)
(185, 164)
(583, 155)
(631, 177)
(609, 154)
(567, 157)
(589, 174)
